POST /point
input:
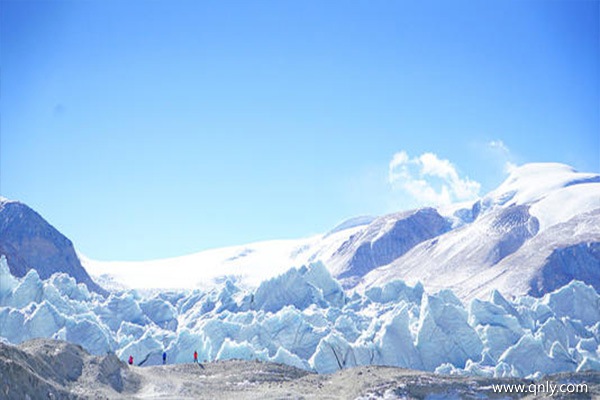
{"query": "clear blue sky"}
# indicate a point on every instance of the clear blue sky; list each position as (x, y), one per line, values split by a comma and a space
(146, 129)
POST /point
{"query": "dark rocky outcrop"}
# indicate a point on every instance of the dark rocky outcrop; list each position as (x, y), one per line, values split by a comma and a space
(30, 242)
(386, 239)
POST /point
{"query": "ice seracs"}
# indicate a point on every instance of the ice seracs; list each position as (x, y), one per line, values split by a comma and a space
(303, 318)
(444, 334)
(299, 288)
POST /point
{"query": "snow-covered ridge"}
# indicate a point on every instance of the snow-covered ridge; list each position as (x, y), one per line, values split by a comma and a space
(352, 223)
(303, 318)
(506, 240)
(532, 182)
(555, 192)
(248, 265)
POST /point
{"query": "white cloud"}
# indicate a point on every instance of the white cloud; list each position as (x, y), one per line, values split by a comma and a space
(499, 145)
(509, 167)
(430, 180)
(504, 152)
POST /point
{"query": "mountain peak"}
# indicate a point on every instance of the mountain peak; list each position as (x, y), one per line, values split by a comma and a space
(4, 200)
(532, 182)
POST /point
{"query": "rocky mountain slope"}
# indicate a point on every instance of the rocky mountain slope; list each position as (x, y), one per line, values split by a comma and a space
(29, 242)
(52, 369)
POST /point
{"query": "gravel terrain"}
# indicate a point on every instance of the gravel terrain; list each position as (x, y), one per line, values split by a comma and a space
(50, 369)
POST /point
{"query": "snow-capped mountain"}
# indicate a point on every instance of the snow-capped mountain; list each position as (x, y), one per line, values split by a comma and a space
(444, 290)
(29, 242)
(537, 231)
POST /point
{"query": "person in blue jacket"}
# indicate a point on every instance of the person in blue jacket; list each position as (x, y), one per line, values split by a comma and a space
(164, 357)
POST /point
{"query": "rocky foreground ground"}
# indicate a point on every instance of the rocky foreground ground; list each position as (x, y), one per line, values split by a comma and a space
(50, 369)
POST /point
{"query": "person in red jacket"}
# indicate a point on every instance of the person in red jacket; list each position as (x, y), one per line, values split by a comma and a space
(130, 360)
(195, 356)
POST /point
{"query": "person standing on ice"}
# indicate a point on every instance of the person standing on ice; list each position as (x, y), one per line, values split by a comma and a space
(164, 357)
(130, 360)
(195, 356)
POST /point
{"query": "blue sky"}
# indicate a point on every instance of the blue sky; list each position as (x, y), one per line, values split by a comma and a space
(146, 129)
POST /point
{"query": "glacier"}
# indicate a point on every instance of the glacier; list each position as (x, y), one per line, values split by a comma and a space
(304, 318)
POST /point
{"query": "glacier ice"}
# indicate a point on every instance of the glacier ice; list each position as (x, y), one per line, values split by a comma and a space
(444, 334)
(161, 312)
(299, 288)
(577, 301)
(305, 319)
(394, 341)
(528, 356)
